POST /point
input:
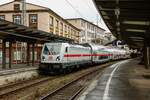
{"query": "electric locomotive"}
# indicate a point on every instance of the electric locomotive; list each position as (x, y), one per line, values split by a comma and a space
(60, 57)
(64, 57)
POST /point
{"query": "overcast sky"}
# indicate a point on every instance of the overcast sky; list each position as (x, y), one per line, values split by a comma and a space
(71, 9)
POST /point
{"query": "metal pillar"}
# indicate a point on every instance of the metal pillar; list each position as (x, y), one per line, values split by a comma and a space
(38, 53)
(33, 56)
(10, 54)
(16, 52)
(147, 57)
(4, 54)
(28, 54)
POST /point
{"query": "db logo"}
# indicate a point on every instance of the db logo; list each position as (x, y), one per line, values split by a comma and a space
(50, 58)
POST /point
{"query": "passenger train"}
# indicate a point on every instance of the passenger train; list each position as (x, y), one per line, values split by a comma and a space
(63, 57)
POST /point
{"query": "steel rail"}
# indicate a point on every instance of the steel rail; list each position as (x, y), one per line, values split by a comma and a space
(50, 94)
(6, 90)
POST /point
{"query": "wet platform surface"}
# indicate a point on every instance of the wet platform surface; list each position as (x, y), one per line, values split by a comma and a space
(121, 81)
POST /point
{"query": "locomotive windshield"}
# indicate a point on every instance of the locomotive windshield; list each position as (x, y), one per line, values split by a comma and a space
(52, 49)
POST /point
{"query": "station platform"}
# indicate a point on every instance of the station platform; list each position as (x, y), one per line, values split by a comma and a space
(125, 80)
(16, 68)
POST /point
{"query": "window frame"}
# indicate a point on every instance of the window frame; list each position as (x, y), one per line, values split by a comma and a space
(3, 17)
(61, 26)
(51, 21)
(57, 23)
(16, 7)
(31, 20)
(17, 18)
(65, 28)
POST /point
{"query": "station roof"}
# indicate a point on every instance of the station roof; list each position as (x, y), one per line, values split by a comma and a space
(14, 32)
(128, 20)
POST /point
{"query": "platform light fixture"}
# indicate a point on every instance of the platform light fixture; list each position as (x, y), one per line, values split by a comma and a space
(140, 38)
(118, 23)
(106, 17)
(137, 40)
(136, 30)
(136, 22)
(117, 12)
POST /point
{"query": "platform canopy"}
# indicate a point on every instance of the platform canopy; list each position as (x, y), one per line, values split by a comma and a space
(128, 20)
(14, 32)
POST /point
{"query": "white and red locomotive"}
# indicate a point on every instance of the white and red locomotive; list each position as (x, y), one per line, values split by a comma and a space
(60, 57)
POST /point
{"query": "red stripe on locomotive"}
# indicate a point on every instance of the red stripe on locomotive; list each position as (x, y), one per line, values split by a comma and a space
(79, 55)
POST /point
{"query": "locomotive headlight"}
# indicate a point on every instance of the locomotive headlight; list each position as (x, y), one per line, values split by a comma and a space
(58, 58)
(43, 58)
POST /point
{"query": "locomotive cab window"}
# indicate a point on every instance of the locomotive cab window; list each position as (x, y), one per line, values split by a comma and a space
(46, 51)
(52, 49)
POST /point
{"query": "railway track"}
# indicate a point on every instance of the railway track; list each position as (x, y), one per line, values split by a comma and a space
(12, 88)
(72, 89)
(75, 84)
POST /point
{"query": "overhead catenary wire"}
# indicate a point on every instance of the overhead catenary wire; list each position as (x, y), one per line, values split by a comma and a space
(70, 4)
(87, 4)
(75, 9)
(92, 10)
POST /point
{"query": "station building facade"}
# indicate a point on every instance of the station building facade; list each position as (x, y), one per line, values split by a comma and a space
(108, 37)
(89, 31)
(36, 17)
